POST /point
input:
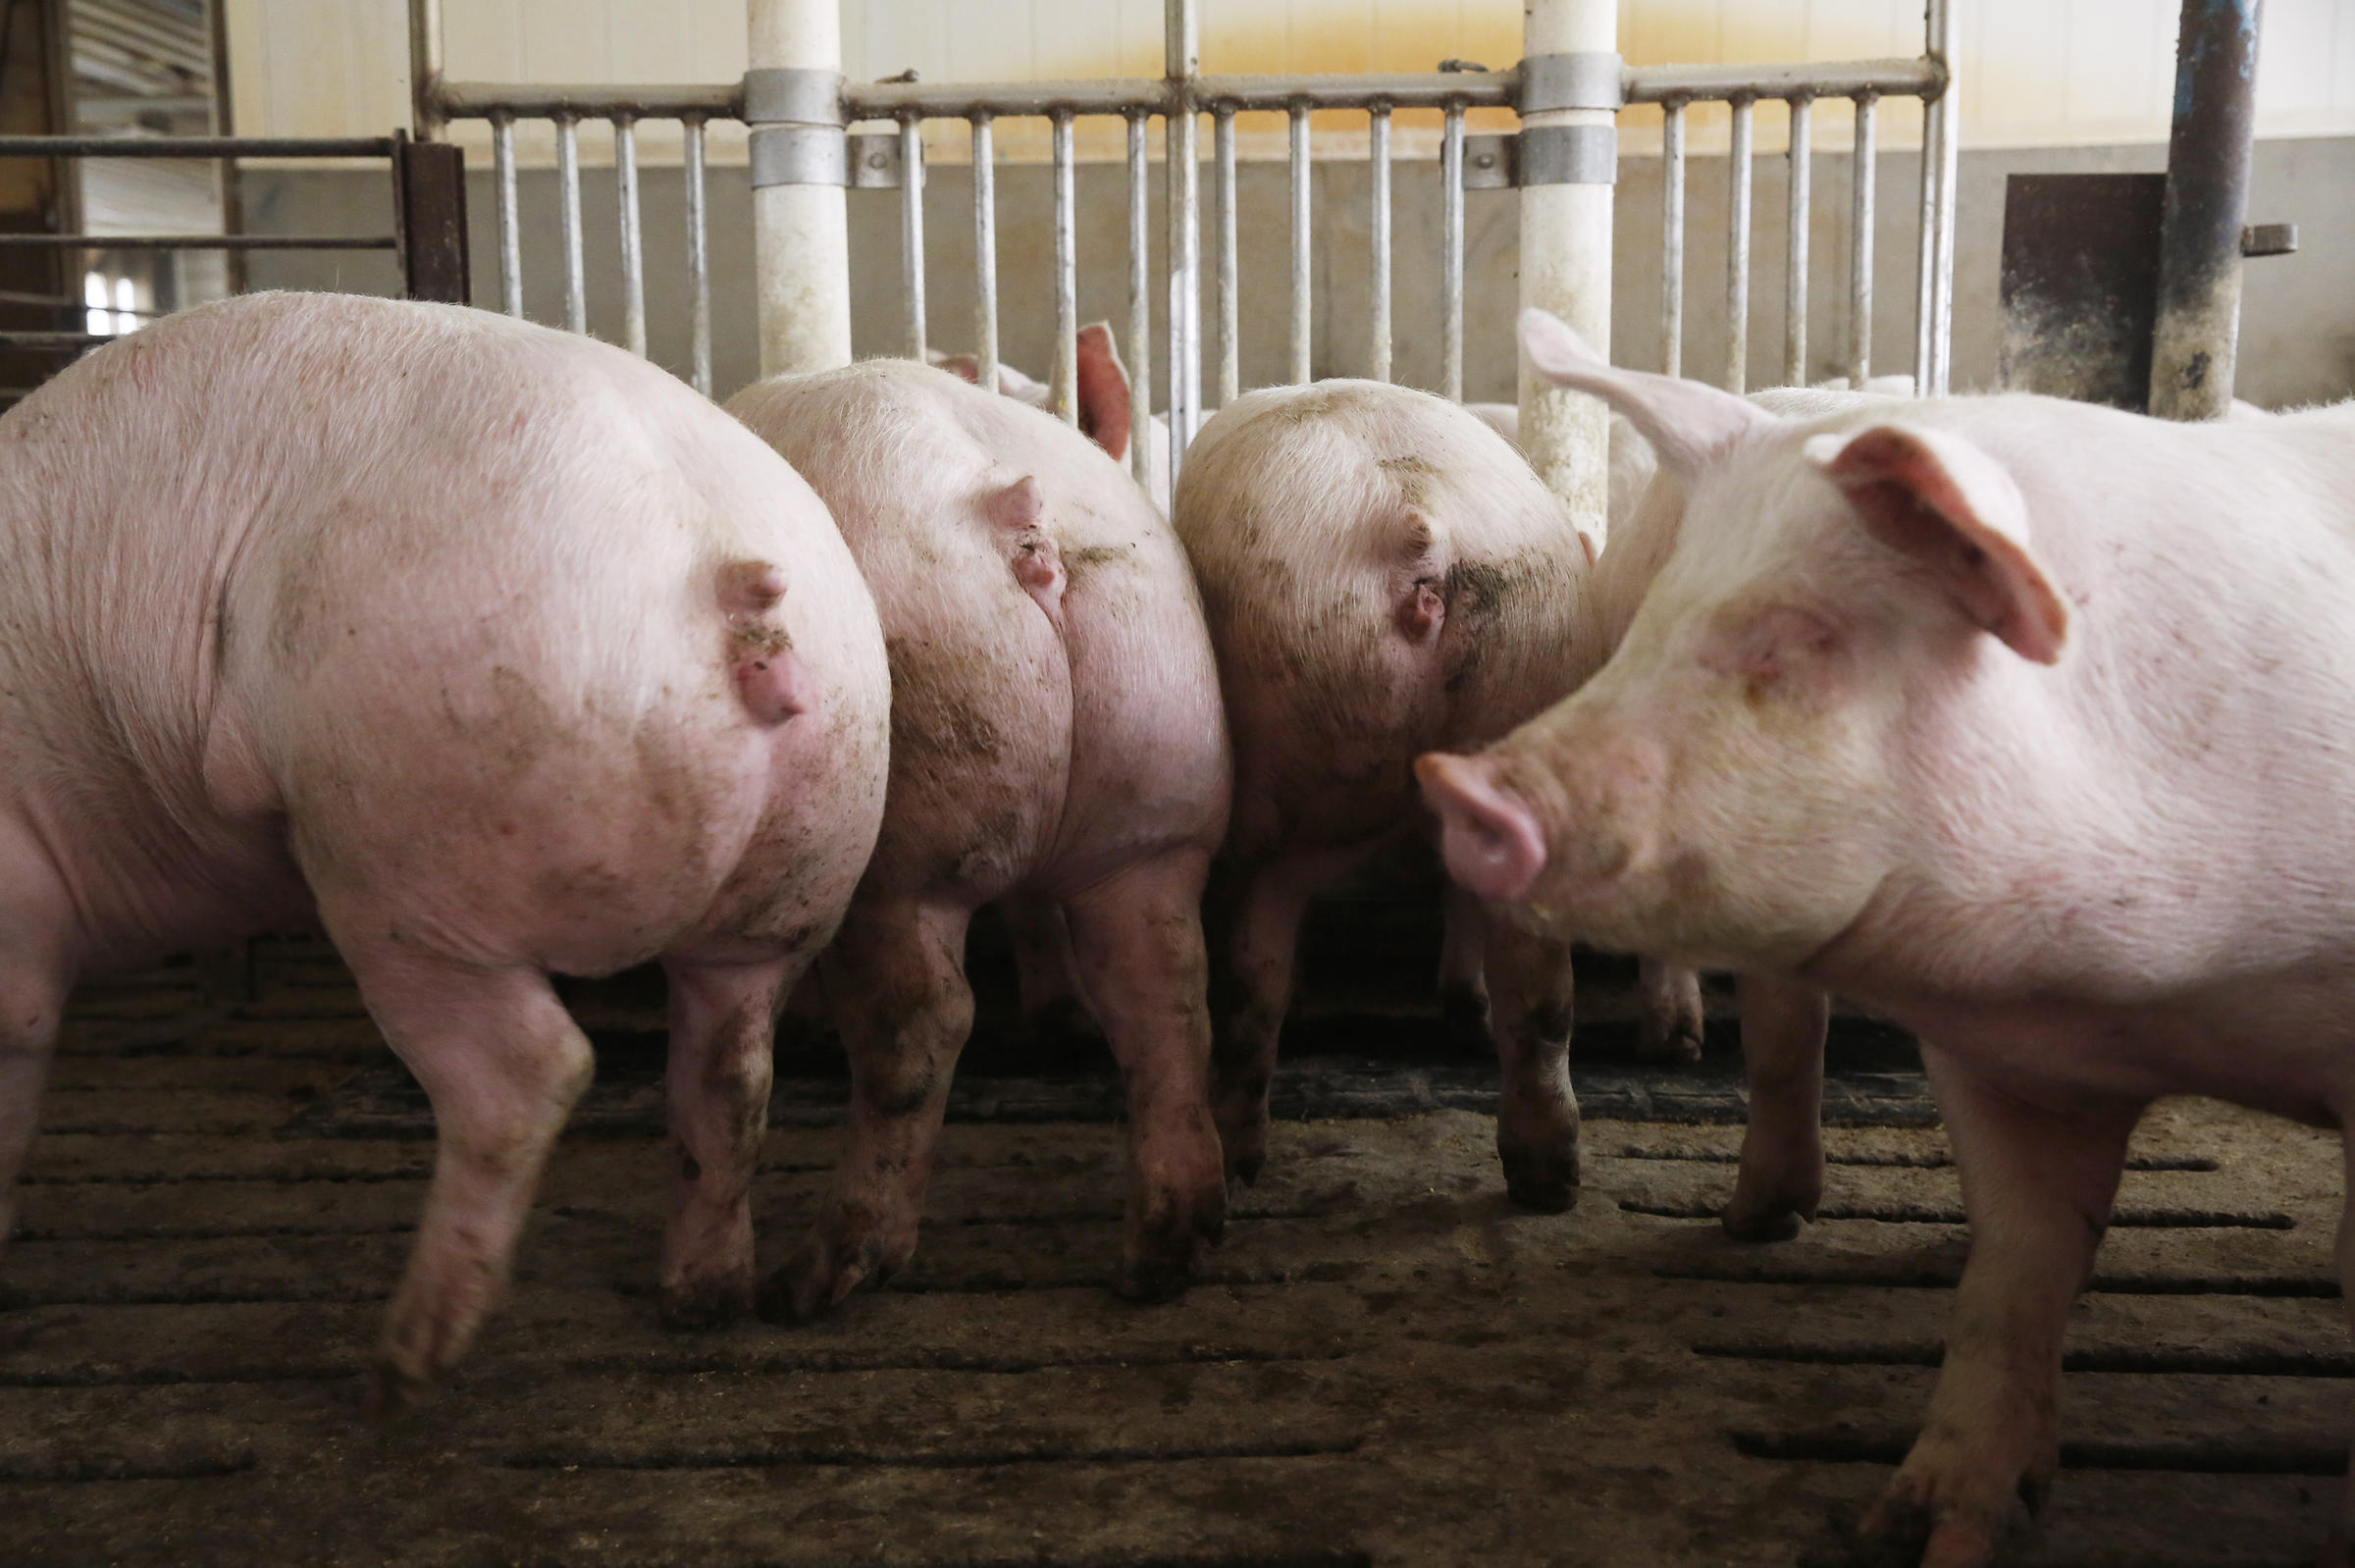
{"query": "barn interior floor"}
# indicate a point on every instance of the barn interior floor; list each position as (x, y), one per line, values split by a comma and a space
(1385, 1363)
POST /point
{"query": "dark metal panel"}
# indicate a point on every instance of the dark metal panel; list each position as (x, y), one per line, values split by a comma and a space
(2080, 285)
(428, 181)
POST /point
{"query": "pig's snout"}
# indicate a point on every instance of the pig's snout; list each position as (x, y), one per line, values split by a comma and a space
(1488, 834)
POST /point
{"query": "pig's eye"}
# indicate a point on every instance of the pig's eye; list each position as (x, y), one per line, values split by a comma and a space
(1765, 647)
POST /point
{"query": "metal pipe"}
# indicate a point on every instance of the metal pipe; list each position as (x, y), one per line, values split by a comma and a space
(1182, 54)
(2196, 341)
(1064, 378)
(633, 239)
(1451, 255)
(1795, 275)
(985, 250)
(568, 171)
(1378, 147)
(1814, 78)
(195, 146)
(1736, 250)
(1672, 239)
(800, 231)
(199, 242)
(912, 232)
(544, 100)
(1864, 165)
(1141, 305)
(698, 255)
(425, 68)
(1949, 107)
(510, 234)
(1230, 373)
(1302, 303)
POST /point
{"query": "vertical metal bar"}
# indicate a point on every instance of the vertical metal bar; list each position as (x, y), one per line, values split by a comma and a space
(1231, 370)
(633, 241)
(425, 69)
(985, 249)
(1066, 375)
(1941, 29)
(2197, 337)
(1863, 164)
(568, 179)
(801, 240)
(912, 230)
(1451, 255)
(1141, 305)
(1182, 57)
(1795, 281)
(510, 238)
(699, 255)
(1672, 239)
(1378, 151)
(1737, 250)
(1302, 305)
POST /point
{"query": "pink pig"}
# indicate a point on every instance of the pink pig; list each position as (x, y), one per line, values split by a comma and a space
(1956, 709)
(492, 647)
(1057, 740)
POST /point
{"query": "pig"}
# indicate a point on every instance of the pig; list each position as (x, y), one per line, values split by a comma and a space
(1950, 708)
(1104, 399)
(1057, 739)
(495, 651)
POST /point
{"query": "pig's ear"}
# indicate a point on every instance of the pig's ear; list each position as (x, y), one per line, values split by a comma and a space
(1947, 506)
(1104, 398)
(1688, 423)
(1488, 834)
(964, 366)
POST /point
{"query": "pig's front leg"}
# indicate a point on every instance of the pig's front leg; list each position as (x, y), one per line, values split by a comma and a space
(1673, 1022)
(723, 1034)
(1530, 1012)
(1781, 1175)
(2037, 1184)
(35, 914)
(1138, 939)
(502, 1064)
(1051, 997)
(896, 975)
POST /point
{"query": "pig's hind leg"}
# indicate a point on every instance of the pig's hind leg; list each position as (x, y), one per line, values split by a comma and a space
(502, 1064)
(723, 1029)
(35, 917)
(1673, 1022)
(1138, 938)
(1051, 1000)
(1781, 1177)
(896, 976)
(1529, 1013)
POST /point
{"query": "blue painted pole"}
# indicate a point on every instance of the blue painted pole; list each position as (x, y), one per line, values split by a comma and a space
(2208, 158)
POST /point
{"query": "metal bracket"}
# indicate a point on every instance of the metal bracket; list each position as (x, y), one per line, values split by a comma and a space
(799, 155)
(1567, 155)
(1589, 78)
(875, 161)
(793, 95)
(1489, 162)
(2268, 239)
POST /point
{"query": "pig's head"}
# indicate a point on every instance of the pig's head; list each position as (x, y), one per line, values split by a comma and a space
(1749, 771)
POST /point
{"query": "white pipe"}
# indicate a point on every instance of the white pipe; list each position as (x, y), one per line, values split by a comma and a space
(1566, 268)
(801, 240)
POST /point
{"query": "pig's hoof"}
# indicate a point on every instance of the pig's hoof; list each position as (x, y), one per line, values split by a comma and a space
(1775, 1217)
(1066, 1026)
(1912, 1524)
(392, 1393)
(1244, 1143)
(1541, 1175)
(1166, 1254)
(1767, 1225)
(1670, 1041)
(822, 1275)
(690, 1305)
(1464, 1018)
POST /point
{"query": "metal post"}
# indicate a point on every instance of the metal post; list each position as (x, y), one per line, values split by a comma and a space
(568, 191)
(425, 69)
(1863, 168)
(1672, 239)
(633, 245)
(2196, 340)
(985, 250)
(1065, 376)
(1566, 237)
(511, 237)
(1950, 146)
(801, 243)
(1141, 305)
(1736, 247)
(699, 255)
(1451, 255)
(912, 232)
(1182, 56)
(1378, 170)
(1302, 305)
(1794, 279)
(1231, 372)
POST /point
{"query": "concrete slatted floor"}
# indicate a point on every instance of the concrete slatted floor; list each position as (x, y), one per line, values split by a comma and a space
(1385, 1365)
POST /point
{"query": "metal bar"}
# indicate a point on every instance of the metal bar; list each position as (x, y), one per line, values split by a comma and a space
(699, 255)
(480, 100)
(1231, 373)
(1181, 57)
(569, 169)
(2197, 336)
(1794, 274)
(1925, 258)
(195, 146)
(1302, 303)
(429, 206)
(1451, 255)
(1672, 239)
(912, 231)
(886, 100)
(199, 242)
(1737, 250)
(425, 67)
(633, 239)
(54, 340)
(1940, 28)
(510, 235)
(1066, 375)
(985, 251)
(1862, 167)
(1378, 148)
(1141, 305)
(1814, 79)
